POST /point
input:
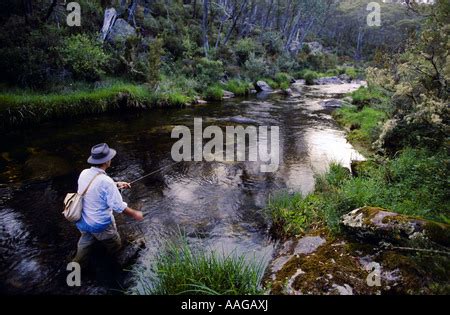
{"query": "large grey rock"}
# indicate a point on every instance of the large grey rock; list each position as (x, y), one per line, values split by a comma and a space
(108, 22)
(378, 224)
(228, 94)
(120, 32)
(308, 244)
(262, 86)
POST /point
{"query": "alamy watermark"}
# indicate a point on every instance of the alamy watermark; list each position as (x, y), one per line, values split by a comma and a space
(263, 146)
(374, 276)
(73, 279)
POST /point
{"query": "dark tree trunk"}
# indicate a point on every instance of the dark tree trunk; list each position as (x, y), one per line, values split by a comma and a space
(50, 10)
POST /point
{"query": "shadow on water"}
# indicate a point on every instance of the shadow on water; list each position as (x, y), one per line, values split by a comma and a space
(217, 204)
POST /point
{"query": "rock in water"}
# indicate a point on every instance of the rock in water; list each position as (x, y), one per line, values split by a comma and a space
(333, 103)
(120, 31)
(287, 92)
(262, 86)
(45, 166)
(228, 94)
(378, 224)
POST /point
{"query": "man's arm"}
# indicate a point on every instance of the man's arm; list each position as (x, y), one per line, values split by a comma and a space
(135, 214)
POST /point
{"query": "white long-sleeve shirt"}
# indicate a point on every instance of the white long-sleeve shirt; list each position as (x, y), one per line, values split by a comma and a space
(102, 198)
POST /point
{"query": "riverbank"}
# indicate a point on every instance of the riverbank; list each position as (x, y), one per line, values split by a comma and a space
(318, 255)
(20, 108)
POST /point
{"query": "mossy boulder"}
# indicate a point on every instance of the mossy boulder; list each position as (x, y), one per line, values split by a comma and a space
(378, 224)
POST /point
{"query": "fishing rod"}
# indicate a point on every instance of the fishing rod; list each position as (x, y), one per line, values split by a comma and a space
(154, 172)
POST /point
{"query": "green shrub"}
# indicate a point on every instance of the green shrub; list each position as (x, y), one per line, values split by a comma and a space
(284, 85)
(84, 56)
(238, 87)
(214, 93)
(309, 77)
(244, 47)
(179, 269)
(282, 77)
(154, 61)
(332, 73)
(256, 68)
(209, 71)
(351, 72)
(272, 43)
(272, 83)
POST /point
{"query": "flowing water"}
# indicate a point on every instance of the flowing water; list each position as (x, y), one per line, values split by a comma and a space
(217, 204)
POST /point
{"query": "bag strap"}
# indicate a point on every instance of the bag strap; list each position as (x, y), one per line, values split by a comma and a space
(89, 185)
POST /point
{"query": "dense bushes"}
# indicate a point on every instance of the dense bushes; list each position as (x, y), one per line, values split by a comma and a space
(84, 56)
(209, 71)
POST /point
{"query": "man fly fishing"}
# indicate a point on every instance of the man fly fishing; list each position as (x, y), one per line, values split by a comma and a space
(102, 197)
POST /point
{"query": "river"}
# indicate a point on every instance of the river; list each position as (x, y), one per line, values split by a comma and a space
(216, 204)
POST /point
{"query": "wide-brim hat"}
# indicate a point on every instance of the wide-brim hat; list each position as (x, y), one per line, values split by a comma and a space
(101, 153)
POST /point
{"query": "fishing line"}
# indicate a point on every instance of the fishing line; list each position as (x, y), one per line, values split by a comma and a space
(154, 172)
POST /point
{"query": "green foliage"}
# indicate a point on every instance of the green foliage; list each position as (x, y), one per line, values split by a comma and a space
(414, 183)
(283, 78)
(84, 56)
(244, 48)
(27, 55)
(179, 269)
(351, 72)
(272, 43)
(367, 96)
(32, 108)
(272, 83)
(256, 67)
(364, 124)
(291, 214)
(238, 87)
(154, 61)
(209, 71)
(214, 93)
(309, 77)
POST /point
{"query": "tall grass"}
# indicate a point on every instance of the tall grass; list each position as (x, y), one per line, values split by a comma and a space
(179, 269)
(291, 214)
(214, 93)
(238, 87)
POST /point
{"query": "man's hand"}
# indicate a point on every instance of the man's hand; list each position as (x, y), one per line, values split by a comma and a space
(135, 214)
(138, 216)
(123, 185)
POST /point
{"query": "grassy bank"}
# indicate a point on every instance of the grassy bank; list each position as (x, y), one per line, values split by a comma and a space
(413, 182)
(363, 118)
(17, 109)
(179, 269)
(22, 107)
